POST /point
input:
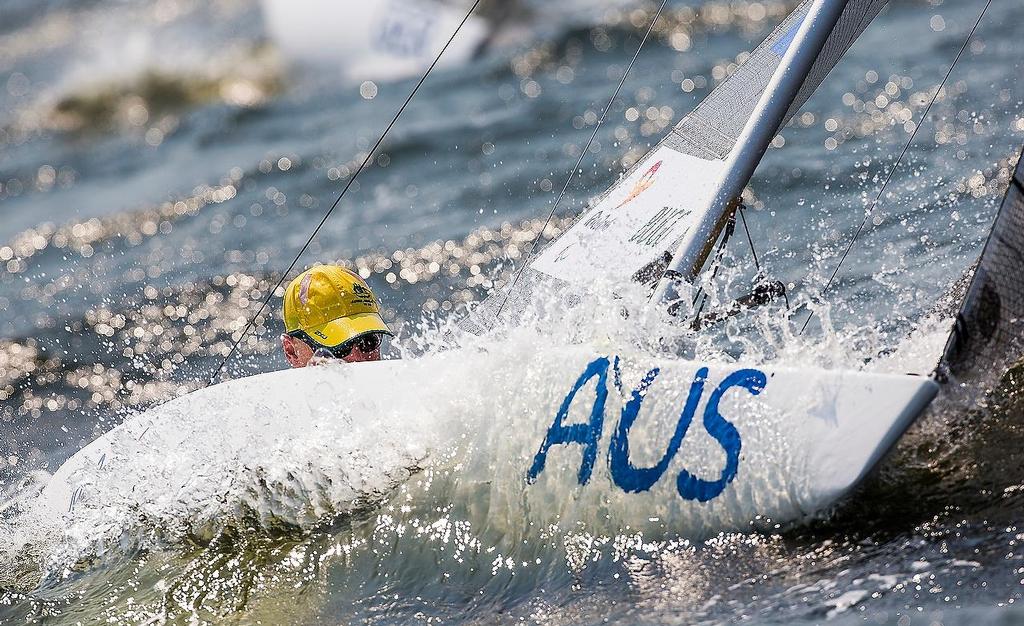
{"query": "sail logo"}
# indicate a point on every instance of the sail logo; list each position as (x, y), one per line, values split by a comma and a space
(624, 474)
(598, 221)
(782, 44)
(641, 185)
(658, 227)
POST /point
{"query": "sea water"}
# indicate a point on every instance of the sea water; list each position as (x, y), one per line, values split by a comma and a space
(162, 163)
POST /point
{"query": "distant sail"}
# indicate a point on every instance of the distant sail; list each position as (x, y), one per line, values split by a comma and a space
(988, 335)
(379, 40)
(627, 232)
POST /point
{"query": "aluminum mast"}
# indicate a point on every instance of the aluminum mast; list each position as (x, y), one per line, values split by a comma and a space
(757, 134)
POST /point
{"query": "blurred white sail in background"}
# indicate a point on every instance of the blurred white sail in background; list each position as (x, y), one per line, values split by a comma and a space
(376, 40)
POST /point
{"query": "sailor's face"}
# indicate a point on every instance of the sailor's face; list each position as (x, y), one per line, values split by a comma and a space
(357, 355)
(300, 354)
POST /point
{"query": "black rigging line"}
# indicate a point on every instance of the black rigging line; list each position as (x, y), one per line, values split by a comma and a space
(572, 173)
(924, 119)
(750, 240)
(369, 155)
(730, 228)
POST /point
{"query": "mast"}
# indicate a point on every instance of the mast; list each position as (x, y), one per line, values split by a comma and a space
(750, 147)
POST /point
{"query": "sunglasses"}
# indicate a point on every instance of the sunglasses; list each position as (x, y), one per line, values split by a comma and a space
(366, 343)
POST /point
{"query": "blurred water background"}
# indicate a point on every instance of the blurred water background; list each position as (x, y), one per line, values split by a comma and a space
(162, 161)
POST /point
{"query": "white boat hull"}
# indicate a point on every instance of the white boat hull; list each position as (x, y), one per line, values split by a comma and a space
(694, 450)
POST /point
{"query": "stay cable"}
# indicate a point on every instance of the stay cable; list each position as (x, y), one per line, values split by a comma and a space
(888, 177)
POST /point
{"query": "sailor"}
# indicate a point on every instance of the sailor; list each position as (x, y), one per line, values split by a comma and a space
(330, 313)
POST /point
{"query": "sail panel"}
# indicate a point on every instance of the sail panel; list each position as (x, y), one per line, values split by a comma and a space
(640, 217)
(713, 127)
(710, 131)
(856, 17)
(988, 335)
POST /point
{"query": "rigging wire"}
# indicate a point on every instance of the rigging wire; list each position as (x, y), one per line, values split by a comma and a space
(702, 295)
(750, 240)
(369, 155)
(572, 172)
(881, 190)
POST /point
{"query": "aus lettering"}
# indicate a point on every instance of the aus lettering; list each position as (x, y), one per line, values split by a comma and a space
(624, 473)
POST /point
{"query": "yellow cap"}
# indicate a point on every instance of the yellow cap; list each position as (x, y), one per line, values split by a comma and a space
(332, 305)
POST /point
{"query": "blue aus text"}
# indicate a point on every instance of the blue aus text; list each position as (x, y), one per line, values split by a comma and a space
(624, 473)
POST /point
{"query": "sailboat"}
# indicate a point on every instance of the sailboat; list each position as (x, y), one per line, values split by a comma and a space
(379, 40)
(609, 434)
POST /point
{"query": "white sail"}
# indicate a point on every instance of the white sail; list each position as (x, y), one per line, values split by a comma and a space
(637, 220)
(709, 155)
(380, 40)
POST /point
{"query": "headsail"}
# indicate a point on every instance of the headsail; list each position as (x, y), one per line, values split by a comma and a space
(627, 233)
(988, 335)
(802, 47)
